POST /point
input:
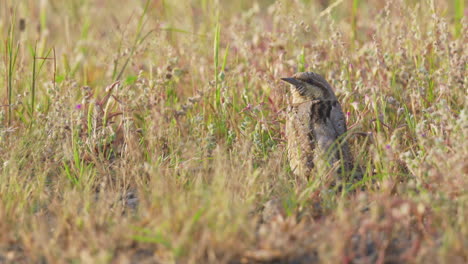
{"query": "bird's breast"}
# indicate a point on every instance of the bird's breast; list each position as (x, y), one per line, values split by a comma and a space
(300, 139)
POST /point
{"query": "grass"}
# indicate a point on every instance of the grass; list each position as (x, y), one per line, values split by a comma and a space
(154, 131)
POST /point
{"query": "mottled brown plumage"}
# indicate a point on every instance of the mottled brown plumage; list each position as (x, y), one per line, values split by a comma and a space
(316, 126)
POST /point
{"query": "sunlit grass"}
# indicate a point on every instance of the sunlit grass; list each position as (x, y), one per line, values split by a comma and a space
(154, 130)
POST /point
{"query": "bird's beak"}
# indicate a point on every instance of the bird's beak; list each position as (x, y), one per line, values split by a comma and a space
(292, 81)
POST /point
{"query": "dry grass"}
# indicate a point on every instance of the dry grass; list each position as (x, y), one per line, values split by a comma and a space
(153, 132)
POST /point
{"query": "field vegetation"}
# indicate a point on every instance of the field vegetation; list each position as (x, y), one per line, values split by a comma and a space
(153, 131)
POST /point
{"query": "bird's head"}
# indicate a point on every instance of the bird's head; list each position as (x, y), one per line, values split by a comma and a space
(310, 86)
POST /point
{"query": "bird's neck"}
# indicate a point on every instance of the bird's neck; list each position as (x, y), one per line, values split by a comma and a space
(296, 98)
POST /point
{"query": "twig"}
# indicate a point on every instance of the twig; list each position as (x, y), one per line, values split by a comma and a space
(330, 7)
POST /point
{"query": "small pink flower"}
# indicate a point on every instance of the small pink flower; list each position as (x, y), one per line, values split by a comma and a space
(78, 106)
(247, 108)
(387, 146)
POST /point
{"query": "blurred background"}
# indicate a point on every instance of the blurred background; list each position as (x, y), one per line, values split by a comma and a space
(153, 131)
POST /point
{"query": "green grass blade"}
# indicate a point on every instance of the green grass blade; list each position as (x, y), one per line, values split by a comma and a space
(216, 65)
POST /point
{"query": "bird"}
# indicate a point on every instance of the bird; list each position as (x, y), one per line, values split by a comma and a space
(315, 126)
